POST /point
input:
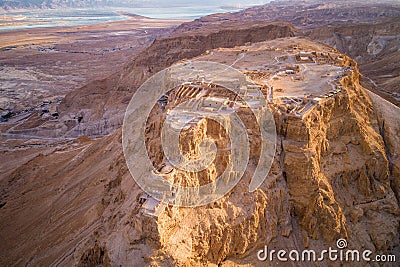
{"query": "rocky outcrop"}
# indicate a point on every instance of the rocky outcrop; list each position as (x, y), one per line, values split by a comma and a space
(366, 31)
(100, 103)
(331, 179)
(389, 125)
(334, 175)
(332, 193)
(374, 47)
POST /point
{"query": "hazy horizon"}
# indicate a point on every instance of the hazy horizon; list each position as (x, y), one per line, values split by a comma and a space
(27, 4)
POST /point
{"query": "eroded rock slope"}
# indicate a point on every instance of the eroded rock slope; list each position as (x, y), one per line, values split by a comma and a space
(334, 175)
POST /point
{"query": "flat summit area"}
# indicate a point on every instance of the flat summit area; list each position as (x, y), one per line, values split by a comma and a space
(326, 72)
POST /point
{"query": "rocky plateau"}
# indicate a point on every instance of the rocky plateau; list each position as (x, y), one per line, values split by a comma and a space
(67, 197)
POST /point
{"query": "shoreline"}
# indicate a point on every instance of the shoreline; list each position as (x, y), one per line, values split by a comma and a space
(59, 34)
(20, 19)
(47, 63)
(9, 21)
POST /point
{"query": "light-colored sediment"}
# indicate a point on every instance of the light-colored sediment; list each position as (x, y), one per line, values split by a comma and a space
(332, 177)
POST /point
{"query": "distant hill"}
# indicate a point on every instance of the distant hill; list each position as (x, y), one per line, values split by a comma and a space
(9, 5)
(45, 4)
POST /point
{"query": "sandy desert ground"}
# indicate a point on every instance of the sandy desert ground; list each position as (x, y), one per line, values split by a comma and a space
(67, 197)
(39, 66)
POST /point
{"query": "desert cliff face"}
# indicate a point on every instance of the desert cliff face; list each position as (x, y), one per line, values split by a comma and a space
(335, 175)
(374, 47)
(389, 125)
(333, 194)
(315, 185)
(367, 32)
(95, 109)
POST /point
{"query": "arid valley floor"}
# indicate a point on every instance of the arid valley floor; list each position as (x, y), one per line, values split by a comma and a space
(329, 73)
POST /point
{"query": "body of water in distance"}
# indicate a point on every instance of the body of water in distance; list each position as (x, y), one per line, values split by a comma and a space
(75, 17)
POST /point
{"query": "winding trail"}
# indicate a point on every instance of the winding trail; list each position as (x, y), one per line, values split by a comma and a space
(241, 56)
